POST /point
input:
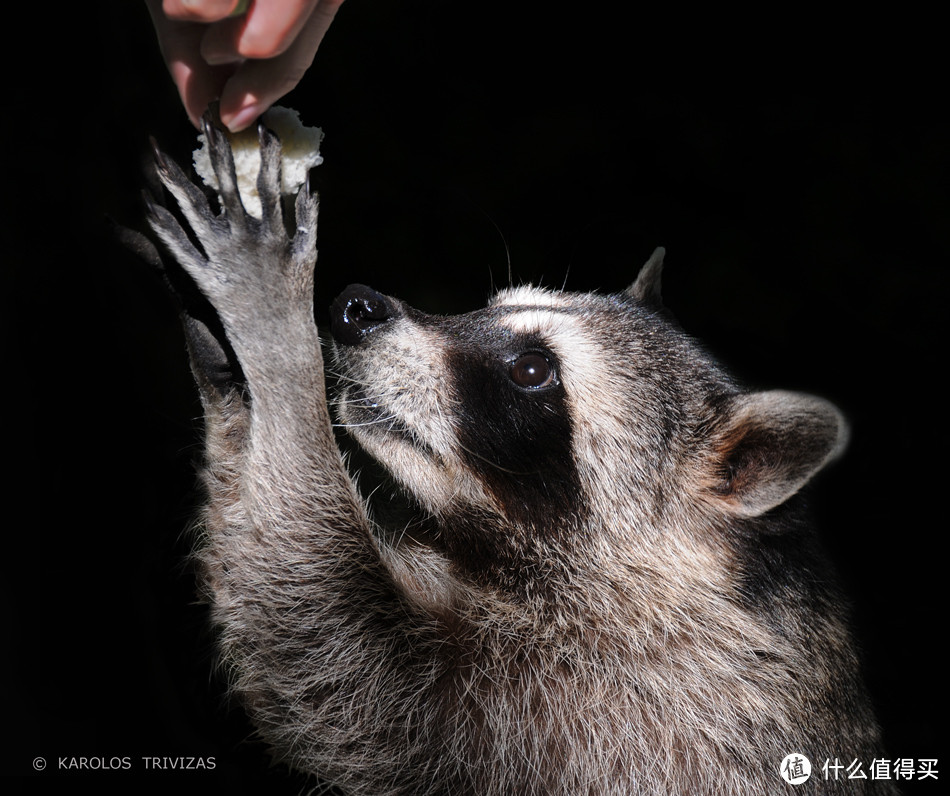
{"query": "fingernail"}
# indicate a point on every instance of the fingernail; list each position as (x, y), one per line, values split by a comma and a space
(219, 59)
(213, 9)
(238, 121)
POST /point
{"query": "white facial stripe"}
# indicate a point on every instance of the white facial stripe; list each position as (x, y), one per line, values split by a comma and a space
(587, 377)
(436, 487)
(404, 377)
(581, 358)
(540, 320)
(529, 296)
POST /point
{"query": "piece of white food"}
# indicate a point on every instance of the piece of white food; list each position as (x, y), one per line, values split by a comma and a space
(300, 151)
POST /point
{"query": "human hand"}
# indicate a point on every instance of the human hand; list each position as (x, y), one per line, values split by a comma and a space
(247, 61)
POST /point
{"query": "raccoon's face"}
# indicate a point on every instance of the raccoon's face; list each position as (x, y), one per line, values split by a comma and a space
(579, 431)
(541, 409)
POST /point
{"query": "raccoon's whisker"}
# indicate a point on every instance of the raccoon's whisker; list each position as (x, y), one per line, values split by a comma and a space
(343, 378)
(374, 422)
(494, 464)
(504, 241)
(567, 273)
(357, 401)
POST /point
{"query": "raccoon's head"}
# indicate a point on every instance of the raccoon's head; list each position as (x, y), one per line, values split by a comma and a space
(562, 426)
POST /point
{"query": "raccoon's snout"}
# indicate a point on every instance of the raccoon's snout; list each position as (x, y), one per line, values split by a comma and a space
(356, 312)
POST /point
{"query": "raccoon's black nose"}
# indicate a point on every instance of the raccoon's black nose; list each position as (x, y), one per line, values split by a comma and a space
(356, 312)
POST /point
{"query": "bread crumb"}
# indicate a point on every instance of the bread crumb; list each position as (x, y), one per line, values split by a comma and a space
(300, 151)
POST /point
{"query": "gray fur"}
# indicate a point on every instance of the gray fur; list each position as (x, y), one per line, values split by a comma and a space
(646, 287)
(632, 605)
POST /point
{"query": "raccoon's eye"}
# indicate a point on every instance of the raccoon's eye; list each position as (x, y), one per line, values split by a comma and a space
(532, 371)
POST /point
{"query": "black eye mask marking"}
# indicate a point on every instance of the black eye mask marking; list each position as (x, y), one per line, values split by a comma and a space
(515, 429)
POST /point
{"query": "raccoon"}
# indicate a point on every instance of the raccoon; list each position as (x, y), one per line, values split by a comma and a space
(606, 583)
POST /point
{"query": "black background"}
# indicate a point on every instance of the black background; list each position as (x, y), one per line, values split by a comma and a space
(807, 227)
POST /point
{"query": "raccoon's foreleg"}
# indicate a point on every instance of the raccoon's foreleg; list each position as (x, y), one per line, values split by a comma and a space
(260, 282)
(307, 610)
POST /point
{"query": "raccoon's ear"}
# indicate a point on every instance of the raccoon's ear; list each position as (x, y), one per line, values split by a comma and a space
(770, 445)
(646, 287)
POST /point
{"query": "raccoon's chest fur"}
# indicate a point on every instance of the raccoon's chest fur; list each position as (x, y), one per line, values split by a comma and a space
(607, 584)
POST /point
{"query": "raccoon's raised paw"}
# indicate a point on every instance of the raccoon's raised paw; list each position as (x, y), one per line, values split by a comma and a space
(238, 260)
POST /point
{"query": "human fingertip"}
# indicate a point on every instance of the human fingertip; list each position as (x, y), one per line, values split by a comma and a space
(202, 10)
(242, 118)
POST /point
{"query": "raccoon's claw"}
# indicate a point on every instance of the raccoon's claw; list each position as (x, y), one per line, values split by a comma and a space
(194, 207)
(157, 155)
(222, 161)
(170, 232)
(268, 179)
